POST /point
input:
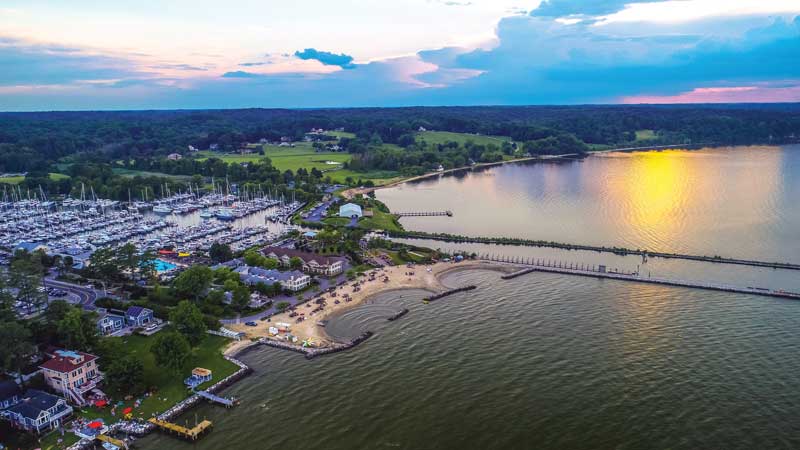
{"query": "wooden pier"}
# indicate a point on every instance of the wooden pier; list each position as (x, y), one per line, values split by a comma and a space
(226, 402)
(191, 434)
(424, 214)
(599, 271)
(108, 439)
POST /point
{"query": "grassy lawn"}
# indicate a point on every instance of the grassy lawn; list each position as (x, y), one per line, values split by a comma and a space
(341, 134)
(645, 135)
(17, 180)
(286, 158)
(380, 221)
(170, 387)
(336, 221)
(143, 173)
(442, 137)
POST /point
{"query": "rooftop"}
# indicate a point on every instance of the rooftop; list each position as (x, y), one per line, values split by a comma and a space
(66, 361)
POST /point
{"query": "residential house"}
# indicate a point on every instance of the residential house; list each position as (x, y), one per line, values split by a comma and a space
(109, 322)
(138, 316)
(10, 394)
(174, 156)
(313, 263)
(38, 412)
(72, 374)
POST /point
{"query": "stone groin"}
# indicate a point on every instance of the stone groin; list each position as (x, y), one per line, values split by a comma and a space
(440, 295)
(518, 273)
(311, 352)
(398, 315)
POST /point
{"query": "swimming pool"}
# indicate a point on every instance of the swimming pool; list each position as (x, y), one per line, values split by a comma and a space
(163, 266)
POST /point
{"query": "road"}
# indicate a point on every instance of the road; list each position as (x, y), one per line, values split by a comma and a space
(86, 296)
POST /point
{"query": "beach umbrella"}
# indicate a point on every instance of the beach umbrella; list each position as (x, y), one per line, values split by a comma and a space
(95, 424)
(127, 410)
(100, 403)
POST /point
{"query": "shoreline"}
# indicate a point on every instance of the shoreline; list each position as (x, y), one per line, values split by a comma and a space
(400, 278)
(352, 192)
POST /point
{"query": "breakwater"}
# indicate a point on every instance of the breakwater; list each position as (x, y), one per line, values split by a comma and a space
(440, 295)
(311, 352)
(566, 246)
(589, 272)
(398, 315)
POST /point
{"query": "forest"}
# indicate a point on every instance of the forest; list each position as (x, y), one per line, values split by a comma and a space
(71, 143)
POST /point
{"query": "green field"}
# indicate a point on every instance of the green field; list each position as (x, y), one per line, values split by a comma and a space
(285, 158)
(341, 134)
(17, 180)
(143, 173)
(645, 135)
(442, 137)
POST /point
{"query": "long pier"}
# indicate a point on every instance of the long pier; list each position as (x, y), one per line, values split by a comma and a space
(191, 434)
(424, 214)
(602, 272)
(600, 249)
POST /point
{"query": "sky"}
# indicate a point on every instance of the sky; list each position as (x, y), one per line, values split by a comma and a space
(191, 54)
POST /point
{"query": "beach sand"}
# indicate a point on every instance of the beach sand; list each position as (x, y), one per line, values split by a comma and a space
(426, 277)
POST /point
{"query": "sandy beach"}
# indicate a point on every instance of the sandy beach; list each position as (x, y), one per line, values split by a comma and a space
(399, 277)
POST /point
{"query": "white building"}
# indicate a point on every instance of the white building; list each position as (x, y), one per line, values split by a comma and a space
(350, 210)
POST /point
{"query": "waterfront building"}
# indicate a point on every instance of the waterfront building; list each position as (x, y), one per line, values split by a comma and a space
(38, 412)
(290, 280)
(350, 210)
(313, 263)
(72, 374)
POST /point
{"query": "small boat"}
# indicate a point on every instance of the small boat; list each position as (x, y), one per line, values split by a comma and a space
(225, 214)
(206, 214)
(162, 209)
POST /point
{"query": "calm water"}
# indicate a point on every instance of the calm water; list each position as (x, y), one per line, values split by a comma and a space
(555, 362)
(541, 361)
(739, 202)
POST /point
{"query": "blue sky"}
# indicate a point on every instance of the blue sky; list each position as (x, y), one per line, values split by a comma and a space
(85, 54)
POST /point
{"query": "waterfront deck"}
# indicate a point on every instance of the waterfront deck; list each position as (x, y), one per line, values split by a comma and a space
(191, 434)
(596, 272)
(108, 439)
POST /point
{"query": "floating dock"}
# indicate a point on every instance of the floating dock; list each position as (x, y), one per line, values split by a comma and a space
(191, 434)
(226, 402)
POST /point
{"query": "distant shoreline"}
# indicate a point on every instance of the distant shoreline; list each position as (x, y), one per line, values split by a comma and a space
(352, 192)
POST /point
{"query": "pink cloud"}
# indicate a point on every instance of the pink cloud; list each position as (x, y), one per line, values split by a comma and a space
(757, 93)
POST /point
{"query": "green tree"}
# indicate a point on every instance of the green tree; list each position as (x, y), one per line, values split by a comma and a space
(25, 274)
(171, 350)
(105, 264)
(254, 259)
(281, 306)
(240, 298)
(270, 263)
(125, 375)
(78, 330)
(295, 263)
(220, 252)
(194, 281)
(16, 346)
(188, 321)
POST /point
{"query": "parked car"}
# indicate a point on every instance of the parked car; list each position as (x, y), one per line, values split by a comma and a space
(251, 324)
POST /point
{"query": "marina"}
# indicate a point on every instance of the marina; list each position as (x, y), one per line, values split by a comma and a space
(76, 228)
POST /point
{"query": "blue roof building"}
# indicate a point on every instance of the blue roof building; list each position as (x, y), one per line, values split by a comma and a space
(38, 412)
